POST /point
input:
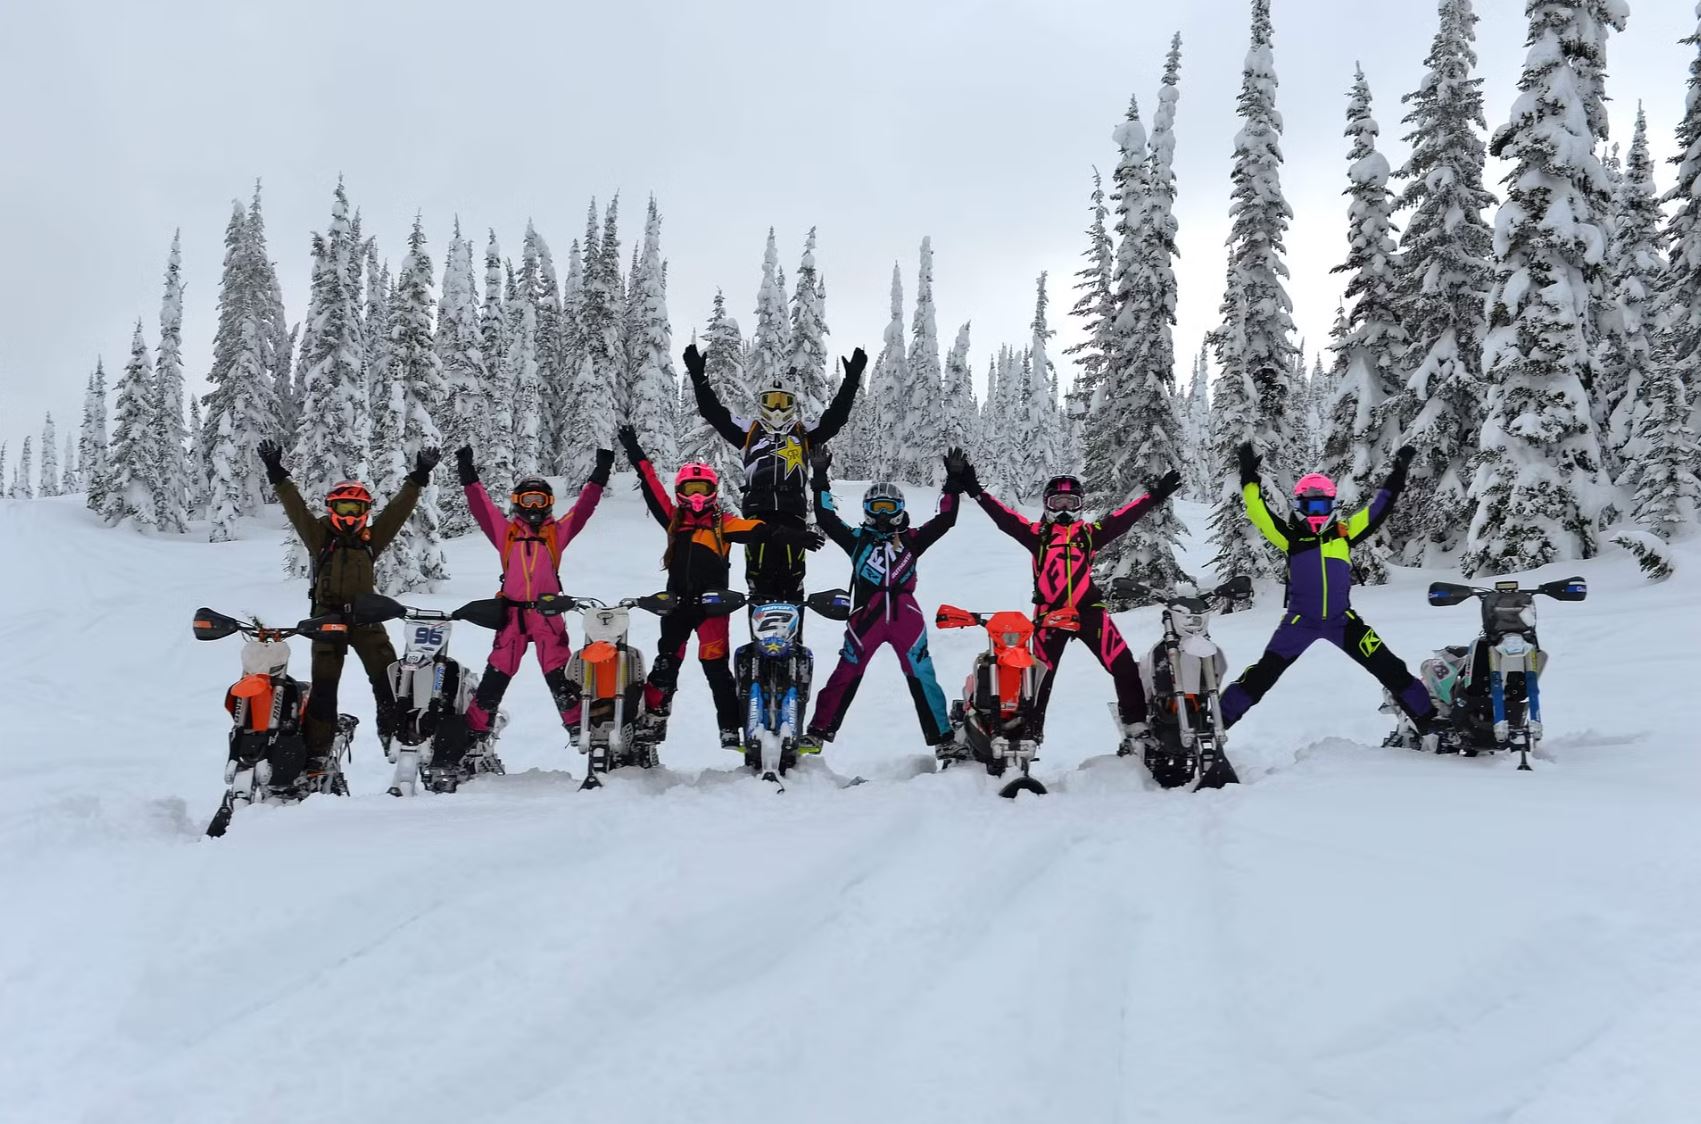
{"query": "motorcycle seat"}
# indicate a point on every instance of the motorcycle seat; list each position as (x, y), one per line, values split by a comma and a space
(1458, 650)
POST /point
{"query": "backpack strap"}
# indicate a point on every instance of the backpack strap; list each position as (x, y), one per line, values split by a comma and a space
(517, 533)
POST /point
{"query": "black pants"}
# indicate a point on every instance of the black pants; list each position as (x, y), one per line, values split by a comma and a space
(1100, 634)
(372, 644)
(712, 652)
(1351, 635)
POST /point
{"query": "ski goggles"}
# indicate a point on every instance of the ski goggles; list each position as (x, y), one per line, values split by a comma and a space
(777, 400)
(1314, 505)
(533, 501)
(883, 506)
(1064, 501)
(350, 509)
(697, 488)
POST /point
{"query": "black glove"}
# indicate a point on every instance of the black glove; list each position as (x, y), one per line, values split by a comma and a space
(959, 473)
(854, 365)
(1396, 482)
(605, 465)
(464, 466)
(821, 464)
(629, 441)
(696, 363)
(271, 455)
(1248, 464)
(423, 462)
(813, 538)
(1161, 488)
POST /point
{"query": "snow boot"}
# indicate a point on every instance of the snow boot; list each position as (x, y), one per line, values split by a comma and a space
(733, 740)
(811, 742)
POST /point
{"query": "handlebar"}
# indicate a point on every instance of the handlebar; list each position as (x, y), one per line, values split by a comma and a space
(1560, 589)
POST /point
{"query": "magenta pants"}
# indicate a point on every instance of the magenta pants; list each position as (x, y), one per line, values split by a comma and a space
(525, 628)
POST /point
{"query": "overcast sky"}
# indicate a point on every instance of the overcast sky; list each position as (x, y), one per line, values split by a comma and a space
(878, 121)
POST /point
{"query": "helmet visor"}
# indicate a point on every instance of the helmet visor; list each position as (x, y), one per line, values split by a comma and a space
(533, 501)
(697, 488)
(777, 401)
(350, 509)
(1314, 504)
(885, 505)
(1063, 501)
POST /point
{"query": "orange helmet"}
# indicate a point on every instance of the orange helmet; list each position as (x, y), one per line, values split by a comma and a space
(348, 504)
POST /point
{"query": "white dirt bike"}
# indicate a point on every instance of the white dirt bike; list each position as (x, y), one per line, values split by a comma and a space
(1183, 676)
(433, 744)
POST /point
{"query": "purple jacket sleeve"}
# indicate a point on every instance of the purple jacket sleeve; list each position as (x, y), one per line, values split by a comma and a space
(934, 529)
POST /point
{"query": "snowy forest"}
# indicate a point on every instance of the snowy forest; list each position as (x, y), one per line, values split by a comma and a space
(1536, 340)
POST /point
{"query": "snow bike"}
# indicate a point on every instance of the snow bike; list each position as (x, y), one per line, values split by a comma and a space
(774, 672)
(992, 721)
(433, 742)
(1183, 676)
(615, 728)
(1487, 693)
(267, 760)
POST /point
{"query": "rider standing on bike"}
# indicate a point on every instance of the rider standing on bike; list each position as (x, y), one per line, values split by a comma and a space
(531, 540)
(884, 551)
(344, 545)
(776, 444)
(1318, 548)
(699, 538)
(1063, 548)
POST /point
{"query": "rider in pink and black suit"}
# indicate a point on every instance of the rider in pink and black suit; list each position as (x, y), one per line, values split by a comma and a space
(1063, 549)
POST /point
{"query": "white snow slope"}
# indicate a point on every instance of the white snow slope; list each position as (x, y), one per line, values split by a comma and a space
(1355, 934)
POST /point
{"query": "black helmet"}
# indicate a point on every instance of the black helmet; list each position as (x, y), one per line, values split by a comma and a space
(883, 507)
(1064, 497)
(533, 500)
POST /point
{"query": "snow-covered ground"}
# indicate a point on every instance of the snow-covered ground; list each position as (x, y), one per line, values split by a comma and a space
(1354, 934)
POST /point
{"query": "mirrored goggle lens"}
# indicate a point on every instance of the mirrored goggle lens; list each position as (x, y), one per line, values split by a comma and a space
(696, 488)
(1068, 501)
(1316, 505)
(533, 500)
(777, 400)
(349, 508)
(883, 507)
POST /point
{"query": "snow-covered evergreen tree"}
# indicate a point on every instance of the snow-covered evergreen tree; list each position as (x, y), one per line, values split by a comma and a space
(601, 382)
(919, 436)
(957, 411)
(1661, 474)
(1363, 423)
(809, 334)
(277, 338)
(170, 436)
(1681, 288)
(1636, 267)
(770, 345)
(241, 385)
(724, 348)
(1093, 307)
(650, 341)
(495, 449)
(91, 442)
(1535, 487)
(70, 480)
(22, 486)
(554, 382)
(462, 363)
(331, 443)
(885, 390)
(520, 364)
(50, 479)
(197, 463)
(1444, 277)
(1201, 480)
(418, 392)
(132, 476)
(1254, 343)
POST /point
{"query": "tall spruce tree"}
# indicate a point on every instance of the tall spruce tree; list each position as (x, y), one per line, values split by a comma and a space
(919, 438)
(22, 487)
(462, 363)
(277, 338)
(197, 461)
(496, 444)
(1681, 288)
(1093, 307)
(133, 467)
(808, 335)
(91, 441)
(70, 481)
(958, 412)
(553, 381)
(521, 364)
(724, 369)
(1444, 277)
(1636, 267)
(50, 480)
(169, 436)
(602, 391)
(770, 345)
(885, 390)
(650, 344)
(1201, 480)
(1540, 466)
(239, 380)
(1254, 343)
(1372, 347)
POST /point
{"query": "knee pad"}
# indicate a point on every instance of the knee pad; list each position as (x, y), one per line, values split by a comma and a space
(564, 690)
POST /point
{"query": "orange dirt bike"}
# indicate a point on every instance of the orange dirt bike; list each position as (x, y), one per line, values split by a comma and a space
(993, 721)
(614, 726)
(267, 761)
(433, 743)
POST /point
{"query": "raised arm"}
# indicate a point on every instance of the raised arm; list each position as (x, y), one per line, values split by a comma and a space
(570, 524)
(312, 534)
(826, 512)
(1252, 495)
(934, 529)
(1364, 522)
(1118, 522)
(839, 410)
(655, 496)
(1008, 519)
(720, 419)
(388, 523)
(484, 513)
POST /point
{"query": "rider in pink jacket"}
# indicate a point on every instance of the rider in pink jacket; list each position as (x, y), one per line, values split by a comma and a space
(531, 539)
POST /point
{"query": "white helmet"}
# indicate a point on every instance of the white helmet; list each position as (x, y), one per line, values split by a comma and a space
(776, 404)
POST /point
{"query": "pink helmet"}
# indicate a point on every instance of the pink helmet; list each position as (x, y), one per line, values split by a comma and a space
(1314, 499)
(695, 486)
